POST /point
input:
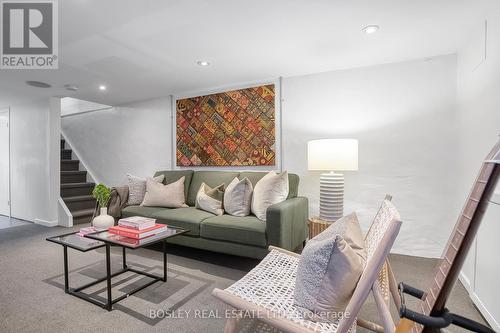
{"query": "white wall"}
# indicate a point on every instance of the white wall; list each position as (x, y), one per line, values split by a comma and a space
(35, 161)
(134, 139)
(479, 128)
(403, 115)
(71, 106)
(478, 106)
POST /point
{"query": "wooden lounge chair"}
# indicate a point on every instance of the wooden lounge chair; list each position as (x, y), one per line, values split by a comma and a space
(266, 292)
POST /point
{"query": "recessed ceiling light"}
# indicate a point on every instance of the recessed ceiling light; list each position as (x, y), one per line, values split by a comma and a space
(71, 87)
(203, 63)
(38, 84)
(102, 87)
(370, 29)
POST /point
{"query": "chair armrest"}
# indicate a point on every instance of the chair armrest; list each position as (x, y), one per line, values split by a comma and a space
(286, 223)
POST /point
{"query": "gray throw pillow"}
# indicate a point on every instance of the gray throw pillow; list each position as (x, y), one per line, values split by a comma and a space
(137, 188)
(210, 199)
(329, 269)
(238, 197)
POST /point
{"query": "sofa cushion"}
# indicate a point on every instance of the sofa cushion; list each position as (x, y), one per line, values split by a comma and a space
(293, 181)
(174, 175)
(187, 218)
(137, 210)
(247, 230)
(211, 178)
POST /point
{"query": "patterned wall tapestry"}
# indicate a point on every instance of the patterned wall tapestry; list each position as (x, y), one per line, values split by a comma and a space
(233, 128)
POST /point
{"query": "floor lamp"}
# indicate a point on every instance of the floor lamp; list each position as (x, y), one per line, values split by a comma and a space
(332, 155)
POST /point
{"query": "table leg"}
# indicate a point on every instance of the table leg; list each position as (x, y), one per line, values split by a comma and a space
(124, 258)
(66, 278)
(109, 305)
(165, 261)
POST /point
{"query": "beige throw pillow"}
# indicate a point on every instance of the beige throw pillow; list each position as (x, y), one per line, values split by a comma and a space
(159, 195)
(210, 199)
(238, 197)
(329, 269)
(137, 188)
(269, 190)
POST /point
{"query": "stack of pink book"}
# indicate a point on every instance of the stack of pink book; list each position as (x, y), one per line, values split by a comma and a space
(137, 227)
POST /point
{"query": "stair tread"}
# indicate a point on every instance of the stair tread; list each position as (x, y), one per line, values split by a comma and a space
(79, 198)
(83, 212)
(70, 161)
(74, 172)
(70, 185)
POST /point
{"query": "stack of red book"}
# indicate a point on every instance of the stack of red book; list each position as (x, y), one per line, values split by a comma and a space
(137, 227)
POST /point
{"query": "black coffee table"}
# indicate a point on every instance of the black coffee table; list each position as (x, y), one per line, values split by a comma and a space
(105, 239)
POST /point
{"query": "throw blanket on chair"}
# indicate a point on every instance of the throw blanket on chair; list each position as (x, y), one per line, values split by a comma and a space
(117, 201)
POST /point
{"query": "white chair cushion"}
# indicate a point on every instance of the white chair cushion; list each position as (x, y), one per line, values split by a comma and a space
(329, 269)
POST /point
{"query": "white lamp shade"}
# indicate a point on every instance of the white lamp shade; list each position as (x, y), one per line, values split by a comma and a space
(333, 154)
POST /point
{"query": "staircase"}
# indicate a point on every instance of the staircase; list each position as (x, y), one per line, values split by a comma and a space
(75, 190)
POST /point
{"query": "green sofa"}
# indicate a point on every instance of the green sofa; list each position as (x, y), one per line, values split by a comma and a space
(243, 236)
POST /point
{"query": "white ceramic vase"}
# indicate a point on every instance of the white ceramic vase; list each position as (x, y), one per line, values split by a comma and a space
(103, 221)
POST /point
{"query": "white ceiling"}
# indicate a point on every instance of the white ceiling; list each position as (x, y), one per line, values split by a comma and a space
(149, 48)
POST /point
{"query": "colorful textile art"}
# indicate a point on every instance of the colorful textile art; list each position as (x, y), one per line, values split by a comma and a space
(233, 128)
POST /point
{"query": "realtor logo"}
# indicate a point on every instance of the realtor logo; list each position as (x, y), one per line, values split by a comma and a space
(29, 38)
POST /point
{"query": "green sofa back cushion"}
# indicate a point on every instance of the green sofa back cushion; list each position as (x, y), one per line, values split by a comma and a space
(174, 175)
(194, 179)
(211, 178)
(293, 181)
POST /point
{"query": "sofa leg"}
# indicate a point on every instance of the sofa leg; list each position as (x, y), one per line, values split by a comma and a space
(232, 325)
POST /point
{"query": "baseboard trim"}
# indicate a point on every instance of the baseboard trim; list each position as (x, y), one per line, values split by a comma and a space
(46, 223)
(484, 311)
(465, 282)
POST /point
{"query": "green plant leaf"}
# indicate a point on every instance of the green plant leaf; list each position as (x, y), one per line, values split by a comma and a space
(101, 193)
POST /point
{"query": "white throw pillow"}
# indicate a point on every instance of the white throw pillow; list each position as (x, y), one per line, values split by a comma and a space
(137, 188)
(210, 199)
(269, 190)
(238, 197)
(159, 195)
(329, 269)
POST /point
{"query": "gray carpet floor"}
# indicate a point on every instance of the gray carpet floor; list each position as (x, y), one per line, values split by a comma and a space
(32, 297)
(7, 222)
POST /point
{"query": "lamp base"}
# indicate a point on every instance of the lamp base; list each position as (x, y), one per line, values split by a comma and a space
(331, 196)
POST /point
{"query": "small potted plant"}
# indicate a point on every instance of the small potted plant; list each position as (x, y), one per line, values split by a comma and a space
(102, 193)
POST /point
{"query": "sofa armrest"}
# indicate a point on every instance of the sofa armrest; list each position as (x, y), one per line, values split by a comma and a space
(286, 224)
